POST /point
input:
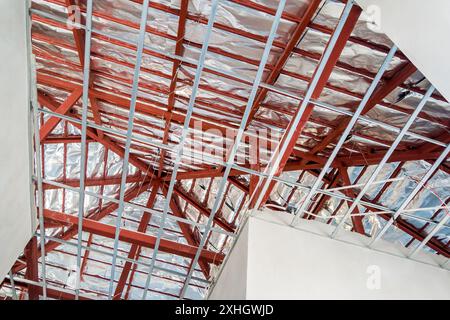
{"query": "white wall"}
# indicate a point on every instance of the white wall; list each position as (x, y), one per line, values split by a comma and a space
(305, 263)
(16, 225)
(421, 30)
(233, 283)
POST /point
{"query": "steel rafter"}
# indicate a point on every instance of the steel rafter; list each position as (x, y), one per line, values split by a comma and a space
(133, 237)
(89, 182)
(190, 198)
(126, 156)
(94, 215)
(235, 146)
(405, 226)
(387, 155)
(64, 108)
(413, 193)
(179, 50)
(191, 236)
(31, 255)
(79, 36)
(195, 87)
(287, 51)
(331, 55)
(106, 141)
(380, 93)
(132, 254)
(358, 225)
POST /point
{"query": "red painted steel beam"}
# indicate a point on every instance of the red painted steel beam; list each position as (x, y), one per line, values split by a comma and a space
(85, 257)
(179, 50)
(425, 226)
(64, 139)
(379, 94)
(214, 172)
(51, 292)
(238, 184)
(330, 64)
(192, 237)
(95, 108)
(199, 19)
(356, 220)
(134, 237)
(275, 72)
(79, 38)
(341, 202)
(279, 44)
(397, 156)
(323, 197)
(190, 198)
(31, 254)
(363, 159)
(429, 147)
(94, 214)
(107, 142)
(294, 188)
(405, 226)
(132, 254)
(65, 107)
(202, 122)
(90, 182)
(78, 34)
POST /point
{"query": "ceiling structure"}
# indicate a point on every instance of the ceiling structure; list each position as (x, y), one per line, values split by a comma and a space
(163, 123)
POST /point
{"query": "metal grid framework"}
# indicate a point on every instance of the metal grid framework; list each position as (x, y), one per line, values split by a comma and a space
(155, 137)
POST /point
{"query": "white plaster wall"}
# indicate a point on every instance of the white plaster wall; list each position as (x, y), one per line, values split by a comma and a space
(232, 283)
(420, 29)
(15, 214)
(305, 263)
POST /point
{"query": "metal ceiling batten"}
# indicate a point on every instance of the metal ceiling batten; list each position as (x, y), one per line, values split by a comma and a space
(234, 148)
(134, 93)
(198, 73)
(277, 155)
(385, 158)
(343, 138)
(38, 171)
(85, 97)
(413, 193)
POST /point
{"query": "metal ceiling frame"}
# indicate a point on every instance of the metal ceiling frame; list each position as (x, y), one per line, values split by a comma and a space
(314, 161)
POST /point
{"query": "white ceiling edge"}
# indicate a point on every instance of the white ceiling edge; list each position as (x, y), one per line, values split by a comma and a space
(421, 30)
